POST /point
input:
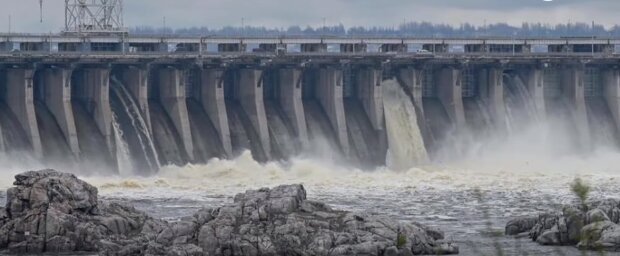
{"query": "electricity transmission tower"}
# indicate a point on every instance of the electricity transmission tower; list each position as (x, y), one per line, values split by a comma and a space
(94, 16)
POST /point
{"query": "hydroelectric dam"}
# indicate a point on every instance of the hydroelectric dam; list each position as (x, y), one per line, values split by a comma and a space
(140, 102)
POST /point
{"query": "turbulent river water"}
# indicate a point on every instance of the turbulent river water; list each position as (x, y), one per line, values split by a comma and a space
(470, 201)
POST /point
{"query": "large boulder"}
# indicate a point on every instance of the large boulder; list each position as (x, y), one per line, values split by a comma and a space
(520, 225)
(48, 211)
(594, 226)
(280, 221)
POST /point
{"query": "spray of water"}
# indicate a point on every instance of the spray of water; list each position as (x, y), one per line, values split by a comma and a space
(537, 155)
(123, 156)
(406, 146)
(137, 122)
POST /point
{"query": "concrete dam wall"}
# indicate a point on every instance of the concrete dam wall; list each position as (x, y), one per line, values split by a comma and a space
(134, 118)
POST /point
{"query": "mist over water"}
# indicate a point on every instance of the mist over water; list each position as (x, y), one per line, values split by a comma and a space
(477, 176)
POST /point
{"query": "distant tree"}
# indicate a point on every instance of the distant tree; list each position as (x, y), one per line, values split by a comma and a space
(418, 29)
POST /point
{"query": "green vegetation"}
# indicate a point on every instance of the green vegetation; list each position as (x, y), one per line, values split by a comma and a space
(581, 190)
(401, 240)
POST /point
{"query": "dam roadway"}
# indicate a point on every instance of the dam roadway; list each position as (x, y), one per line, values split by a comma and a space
(176, 100)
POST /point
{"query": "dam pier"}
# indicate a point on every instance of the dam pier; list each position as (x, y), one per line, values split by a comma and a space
(179, 100)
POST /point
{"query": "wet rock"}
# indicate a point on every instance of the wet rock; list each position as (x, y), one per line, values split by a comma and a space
(520, 225)
(49, 211)
(55, 212)
(596, 215)
(603, 235)
(281, 221)
(593, 226)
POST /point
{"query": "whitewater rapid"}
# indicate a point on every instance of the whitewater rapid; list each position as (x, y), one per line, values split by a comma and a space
(466, 199)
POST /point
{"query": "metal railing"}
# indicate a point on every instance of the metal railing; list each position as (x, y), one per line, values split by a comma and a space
(163, 54)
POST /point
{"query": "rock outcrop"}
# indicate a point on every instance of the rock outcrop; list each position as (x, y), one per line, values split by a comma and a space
(48, 211)
(593, 226)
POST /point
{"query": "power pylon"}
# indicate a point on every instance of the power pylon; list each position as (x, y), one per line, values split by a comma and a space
(94, 16)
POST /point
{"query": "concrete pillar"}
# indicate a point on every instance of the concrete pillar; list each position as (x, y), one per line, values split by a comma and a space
(94, 90)
(535, 83)
(214, 104)
(492, 92)
(291, 102)
(411, 79)
(611, 92)
(172, 98)
(370, 93)
(249, 93)
(20, 97)
(57, 98)
(329, 93)
(135, 81)
(449, 92)
(573, 91)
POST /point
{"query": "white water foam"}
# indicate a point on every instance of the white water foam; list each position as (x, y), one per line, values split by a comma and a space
(406, 146)
(123, 156)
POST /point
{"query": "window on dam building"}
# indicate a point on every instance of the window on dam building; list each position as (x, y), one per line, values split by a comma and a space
(104, 47)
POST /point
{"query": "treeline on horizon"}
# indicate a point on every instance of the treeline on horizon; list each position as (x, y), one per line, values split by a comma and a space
(418, 29)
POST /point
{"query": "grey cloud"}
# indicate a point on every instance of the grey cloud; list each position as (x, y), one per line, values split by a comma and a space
(283, 13)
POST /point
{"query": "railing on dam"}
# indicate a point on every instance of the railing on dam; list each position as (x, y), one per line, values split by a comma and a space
(291, 44)
(337, 55)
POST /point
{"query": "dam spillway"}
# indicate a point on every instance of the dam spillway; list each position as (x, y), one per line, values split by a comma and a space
(98, 107)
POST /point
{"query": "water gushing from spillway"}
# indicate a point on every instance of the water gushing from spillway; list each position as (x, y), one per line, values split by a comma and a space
(520, 107)
(405, 144)
(519, 173)
(123, 156)
(132, 130)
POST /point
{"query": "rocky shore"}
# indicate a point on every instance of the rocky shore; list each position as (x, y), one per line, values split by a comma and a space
(589, 226)
(49, 211)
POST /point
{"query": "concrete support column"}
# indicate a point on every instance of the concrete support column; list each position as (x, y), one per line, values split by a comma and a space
(535, 83)
(611, 90)
(411, 79)
(572, 81)
(250, 96)
(136, 81)
(94, 90)
(329, 93)
(20, 99)
(172, 98)
(57, 98)
(449, 91)
(370, 93)
(291, 102)
(214, 104)
(492, 92)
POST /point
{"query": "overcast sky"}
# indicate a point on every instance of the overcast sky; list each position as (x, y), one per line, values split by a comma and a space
(283, 13)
